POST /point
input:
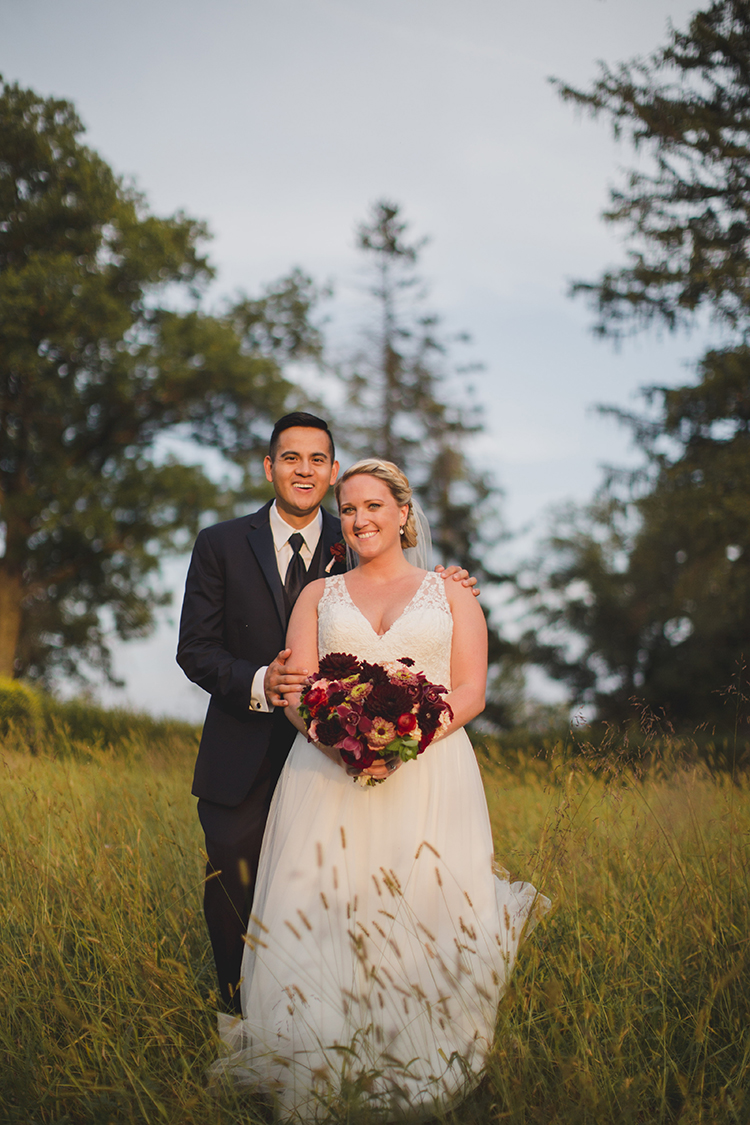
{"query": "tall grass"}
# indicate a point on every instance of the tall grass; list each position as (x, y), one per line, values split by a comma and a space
(634, 1004)
(630, 1003)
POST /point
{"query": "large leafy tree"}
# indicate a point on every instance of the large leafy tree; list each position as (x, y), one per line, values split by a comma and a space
(655, 577)
(645, 594)
(96, 370)
(407, 400)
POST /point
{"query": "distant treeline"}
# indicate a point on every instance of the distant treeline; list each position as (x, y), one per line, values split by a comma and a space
(34, 722)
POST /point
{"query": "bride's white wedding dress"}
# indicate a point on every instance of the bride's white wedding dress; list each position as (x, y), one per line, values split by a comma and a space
(381, 939)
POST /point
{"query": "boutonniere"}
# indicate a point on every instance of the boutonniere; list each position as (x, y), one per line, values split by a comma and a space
(338, 555)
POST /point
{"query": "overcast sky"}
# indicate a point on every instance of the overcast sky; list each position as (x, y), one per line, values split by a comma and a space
(280, 121)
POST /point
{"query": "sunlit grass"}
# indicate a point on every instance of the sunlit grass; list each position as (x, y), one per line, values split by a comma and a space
(633, 1004)
(630, 1003)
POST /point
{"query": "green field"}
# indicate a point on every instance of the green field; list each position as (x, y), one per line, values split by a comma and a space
(631, 1002)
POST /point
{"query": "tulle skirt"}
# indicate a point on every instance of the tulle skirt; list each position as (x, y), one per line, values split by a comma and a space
(381, 939)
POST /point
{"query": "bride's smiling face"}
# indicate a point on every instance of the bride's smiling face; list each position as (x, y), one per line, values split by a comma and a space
(371, 520)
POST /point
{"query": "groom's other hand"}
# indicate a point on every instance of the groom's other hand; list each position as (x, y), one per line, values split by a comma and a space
(280, 680)
(459, 575)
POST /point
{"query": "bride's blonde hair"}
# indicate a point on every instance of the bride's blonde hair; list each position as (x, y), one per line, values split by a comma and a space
(398, 486)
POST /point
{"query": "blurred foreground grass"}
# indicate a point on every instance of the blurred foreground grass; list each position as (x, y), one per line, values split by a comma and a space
(631, 1003)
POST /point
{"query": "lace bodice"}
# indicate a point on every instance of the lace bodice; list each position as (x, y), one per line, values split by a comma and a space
(422, 631)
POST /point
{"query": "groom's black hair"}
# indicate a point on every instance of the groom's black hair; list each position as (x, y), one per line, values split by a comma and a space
(298, 418)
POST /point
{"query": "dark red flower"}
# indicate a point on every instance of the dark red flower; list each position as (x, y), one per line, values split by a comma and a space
(314, 699)
(388, 700)
(374, 673)
(431, 693)
(406, 723)
(366, 758)
(338, 551)
(328, 733)
(336, 665)
(430, 723)
(429, 717)
(407, 660)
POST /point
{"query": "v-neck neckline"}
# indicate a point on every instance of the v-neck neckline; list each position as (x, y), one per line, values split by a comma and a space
(406, 608)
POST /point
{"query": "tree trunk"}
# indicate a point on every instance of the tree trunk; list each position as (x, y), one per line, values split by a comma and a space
(11, 594)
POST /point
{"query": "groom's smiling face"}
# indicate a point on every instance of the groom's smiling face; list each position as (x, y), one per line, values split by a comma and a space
(301, 473)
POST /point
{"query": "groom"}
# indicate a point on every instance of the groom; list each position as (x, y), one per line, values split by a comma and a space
(244, 577)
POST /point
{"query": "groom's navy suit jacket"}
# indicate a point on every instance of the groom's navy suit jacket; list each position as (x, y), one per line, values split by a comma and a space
(233, 622)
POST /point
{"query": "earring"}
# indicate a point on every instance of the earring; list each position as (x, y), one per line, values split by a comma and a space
(401, 531)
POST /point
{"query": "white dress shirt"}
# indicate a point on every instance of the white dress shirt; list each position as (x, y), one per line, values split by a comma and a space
(281, 530)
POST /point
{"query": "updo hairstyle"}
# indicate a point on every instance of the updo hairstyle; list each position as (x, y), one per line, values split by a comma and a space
(397, 484)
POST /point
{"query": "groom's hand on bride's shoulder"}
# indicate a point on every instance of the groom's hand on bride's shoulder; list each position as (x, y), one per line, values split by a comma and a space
(458, 574)
(281, 680)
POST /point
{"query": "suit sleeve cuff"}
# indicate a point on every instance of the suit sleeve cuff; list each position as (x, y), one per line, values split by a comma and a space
(258, 701)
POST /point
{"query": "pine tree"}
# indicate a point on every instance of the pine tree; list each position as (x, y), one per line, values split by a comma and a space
(654, 577)
(408, 402)
(686, 109)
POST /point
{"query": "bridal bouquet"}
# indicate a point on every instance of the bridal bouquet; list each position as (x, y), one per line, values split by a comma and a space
(370, 711)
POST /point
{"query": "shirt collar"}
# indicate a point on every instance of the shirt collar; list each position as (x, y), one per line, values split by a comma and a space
(281, 530)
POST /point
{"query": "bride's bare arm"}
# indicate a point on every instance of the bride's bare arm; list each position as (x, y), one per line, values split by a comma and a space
(302, 639)
(468, 657)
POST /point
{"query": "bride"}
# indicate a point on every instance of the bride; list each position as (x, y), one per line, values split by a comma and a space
(381, 939)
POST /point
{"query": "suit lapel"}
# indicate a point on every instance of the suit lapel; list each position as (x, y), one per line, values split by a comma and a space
(261, 541)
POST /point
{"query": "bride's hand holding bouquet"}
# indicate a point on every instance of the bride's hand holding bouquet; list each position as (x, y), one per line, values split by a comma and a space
(372, 713)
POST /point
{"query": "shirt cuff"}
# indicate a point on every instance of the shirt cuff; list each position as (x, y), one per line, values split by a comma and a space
(258, 701)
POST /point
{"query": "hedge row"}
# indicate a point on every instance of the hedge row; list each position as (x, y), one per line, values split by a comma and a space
(33, 720)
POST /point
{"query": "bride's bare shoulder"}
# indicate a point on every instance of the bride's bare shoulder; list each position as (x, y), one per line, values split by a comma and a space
(461, 598)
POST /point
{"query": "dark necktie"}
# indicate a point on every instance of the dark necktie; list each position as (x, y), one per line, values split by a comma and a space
(296, 572)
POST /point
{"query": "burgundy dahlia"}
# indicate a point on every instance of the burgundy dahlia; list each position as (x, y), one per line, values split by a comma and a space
(374, 673)
(327, 733)
(336, 665)
(389, 700)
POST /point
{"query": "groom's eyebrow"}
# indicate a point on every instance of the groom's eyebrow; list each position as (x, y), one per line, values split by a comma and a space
(318, 453)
